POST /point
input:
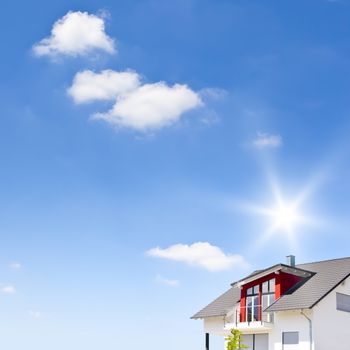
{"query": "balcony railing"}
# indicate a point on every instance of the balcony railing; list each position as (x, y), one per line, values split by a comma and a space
(253, 314)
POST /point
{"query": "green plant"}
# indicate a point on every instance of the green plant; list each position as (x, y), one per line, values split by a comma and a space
(233, 341)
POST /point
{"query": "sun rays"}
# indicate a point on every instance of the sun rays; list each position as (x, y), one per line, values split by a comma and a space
(283, 218)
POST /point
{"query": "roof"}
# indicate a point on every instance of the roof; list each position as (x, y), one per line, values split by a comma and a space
(326, 276)
(297, 271)
(222, 305)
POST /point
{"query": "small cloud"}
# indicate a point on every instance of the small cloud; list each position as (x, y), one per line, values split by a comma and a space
(201, 254)
(209, 117)
(88, 86)
(15, 265)
(167, 282)
(35, 315)
(213, 93)
(76, 34)
(151, 107)
(8, 289)
(264, 140)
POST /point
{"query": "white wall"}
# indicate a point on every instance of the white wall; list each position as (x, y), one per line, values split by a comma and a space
(290, 321)
(332, 327)
(284, 322)
(215, 326)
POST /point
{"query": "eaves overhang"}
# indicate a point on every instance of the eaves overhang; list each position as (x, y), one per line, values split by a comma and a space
(292, 270)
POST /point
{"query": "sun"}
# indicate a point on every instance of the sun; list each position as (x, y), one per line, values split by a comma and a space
(285, 217)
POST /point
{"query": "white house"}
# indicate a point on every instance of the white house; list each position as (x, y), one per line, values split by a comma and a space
(286, 307)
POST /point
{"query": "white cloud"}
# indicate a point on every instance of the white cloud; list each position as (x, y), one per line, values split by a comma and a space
(35, 315)
(167, 282)
(264, 140)
(77, 33)
(88, 86)
(15, 265)
(201, 254)
(8, 289)
(151, 106)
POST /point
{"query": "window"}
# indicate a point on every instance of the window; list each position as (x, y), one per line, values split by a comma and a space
(343, 302)
(253, 304)
(255, 341)
(268, 286)
(268, 297)
(253, 308)
(290, 338)
(267, 300)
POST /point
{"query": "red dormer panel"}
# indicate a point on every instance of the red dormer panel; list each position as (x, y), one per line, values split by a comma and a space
(283, 282)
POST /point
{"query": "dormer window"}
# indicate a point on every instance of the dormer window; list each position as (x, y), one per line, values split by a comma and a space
(253, 303)
(268, 297)
(258, 298)
(268, 286)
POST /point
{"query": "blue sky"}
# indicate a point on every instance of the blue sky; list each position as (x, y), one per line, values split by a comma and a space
(124, 212)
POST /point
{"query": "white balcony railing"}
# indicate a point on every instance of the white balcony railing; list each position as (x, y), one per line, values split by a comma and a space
(252, 315)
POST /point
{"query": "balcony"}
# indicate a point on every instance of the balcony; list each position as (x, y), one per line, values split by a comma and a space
(248, 319)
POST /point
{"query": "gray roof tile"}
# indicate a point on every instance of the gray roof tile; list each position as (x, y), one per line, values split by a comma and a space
(221, 305)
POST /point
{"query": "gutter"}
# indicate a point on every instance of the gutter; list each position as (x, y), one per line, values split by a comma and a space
(310, 328)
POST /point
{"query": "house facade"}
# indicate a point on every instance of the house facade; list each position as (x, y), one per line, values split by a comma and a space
(286, 307)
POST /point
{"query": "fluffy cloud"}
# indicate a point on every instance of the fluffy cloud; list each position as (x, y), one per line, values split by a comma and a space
(201, 254)
(77, 33)
(8, 289)
(264, 140)
(88, 86)
(167, 282)
(151, 106)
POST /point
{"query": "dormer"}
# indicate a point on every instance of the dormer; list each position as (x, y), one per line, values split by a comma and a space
(262, 288)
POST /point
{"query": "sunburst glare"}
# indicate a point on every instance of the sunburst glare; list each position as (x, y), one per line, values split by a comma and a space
(285, 217)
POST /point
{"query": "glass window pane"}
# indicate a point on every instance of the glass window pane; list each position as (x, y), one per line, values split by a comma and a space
(249, 291)
(272, 286)
(248, 340)
(256, 313)
(255, 308)
(249, 309)
(265, 287)
(343, 302)
(256, 290)
(290, 338)
(265, 301)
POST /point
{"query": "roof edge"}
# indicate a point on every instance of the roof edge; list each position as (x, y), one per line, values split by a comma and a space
(321, 261)
(194, 317)
(269, 270)
(330, 291)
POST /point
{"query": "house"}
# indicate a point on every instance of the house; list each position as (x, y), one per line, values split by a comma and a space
(286, 307)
